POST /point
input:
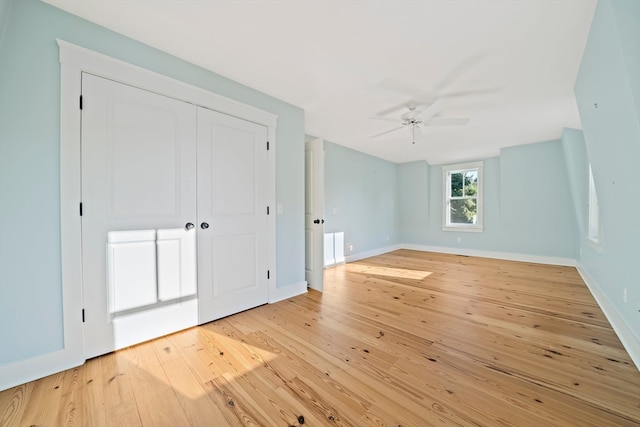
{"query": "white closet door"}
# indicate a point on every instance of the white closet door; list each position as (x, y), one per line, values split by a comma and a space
(139, 192)
(232, 215)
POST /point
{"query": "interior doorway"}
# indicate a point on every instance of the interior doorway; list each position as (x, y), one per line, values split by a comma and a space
(314, 213)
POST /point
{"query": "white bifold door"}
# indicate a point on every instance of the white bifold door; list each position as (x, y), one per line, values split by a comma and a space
(170, 231)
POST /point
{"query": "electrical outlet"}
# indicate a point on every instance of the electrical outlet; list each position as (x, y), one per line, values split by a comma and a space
(624, 295)
(349, 247)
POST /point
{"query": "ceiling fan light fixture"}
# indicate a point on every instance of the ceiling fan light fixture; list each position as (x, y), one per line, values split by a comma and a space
(418, 117)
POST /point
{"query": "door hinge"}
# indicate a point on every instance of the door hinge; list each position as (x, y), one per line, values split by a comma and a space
(267, 210)
(81, 102)
(83, 315)
(80, 208)
(267, 145)
(268, 274)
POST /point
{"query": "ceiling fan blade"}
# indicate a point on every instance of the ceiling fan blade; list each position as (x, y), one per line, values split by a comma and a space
(431, 110)
(411, 114)
(393, 109)
(424, 111)
(458, 121)
(459, 71)
(386, 119)
(386, 132)
(414, 98)
(468, 92)
(397, 88)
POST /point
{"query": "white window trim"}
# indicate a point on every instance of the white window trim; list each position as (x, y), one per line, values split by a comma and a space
(594, 227)
(446, 192)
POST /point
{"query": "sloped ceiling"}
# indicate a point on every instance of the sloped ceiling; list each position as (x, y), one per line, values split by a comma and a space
(508, 66)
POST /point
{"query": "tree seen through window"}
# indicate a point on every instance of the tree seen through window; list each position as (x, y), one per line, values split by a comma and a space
(463, 202)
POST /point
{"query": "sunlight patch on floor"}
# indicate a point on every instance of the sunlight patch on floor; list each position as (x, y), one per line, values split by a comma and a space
(400, 273)
(242, 358)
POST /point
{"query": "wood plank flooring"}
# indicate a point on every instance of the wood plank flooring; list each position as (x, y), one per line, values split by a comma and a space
(403, 339)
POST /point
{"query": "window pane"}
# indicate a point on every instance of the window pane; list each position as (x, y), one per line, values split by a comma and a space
(463, 211)
(456, 184)
(471, 183)
(462, 191)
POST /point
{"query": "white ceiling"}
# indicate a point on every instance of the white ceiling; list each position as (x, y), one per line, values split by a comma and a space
(345, 61)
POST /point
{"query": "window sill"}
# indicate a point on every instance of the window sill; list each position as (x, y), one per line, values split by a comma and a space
(464, 229)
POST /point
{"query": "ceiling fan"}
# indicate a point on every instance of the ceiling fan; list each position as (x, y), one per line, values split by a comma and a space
(420, 116)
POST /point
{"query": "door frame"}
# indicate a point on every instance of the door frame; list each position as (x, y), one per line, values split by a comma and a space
(74, 61)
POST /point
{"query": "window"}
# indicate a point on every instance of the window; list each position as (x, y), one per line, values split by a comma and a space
(594, 211)
(462, 208)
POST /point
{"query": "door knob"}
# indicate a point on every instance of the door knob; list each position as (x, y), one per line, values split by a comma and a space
(204, 225)
(189, 226)
(316, 221)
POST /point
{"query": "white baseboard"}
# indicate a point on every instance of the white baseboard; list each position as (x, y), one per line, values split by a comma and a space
(368, 254)
(629, 340)
(23, 371)
(287, 291)
(537, 259)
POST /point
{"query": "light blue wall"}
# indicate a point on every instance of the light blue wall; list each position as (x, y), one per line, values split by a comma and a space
(608, 76)
(4, 13)
(527, 204)
(413, 224)
(30, 282)
(362, 189)
(626, 14)
(537, 214)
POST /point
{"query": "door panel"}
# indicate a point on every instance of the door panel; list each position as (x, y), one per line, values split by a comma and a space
(314, 211)
(233, 169)
(232, 200)
(176, 249)
(131, 269)
(144, 156)
(234, 273)
(138, 156)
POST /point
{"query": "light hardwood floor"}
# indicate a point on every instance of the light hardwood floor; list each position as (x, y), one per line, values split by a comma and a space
(402, 339)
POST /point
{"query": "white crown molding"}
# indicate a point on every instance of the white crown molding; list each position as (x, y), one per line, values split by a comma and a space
(105, 66)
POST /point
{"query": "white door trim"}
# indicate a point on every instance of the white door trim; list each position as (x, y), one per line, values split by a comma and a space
(72, 353)
(74, 60)
(105, 66)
